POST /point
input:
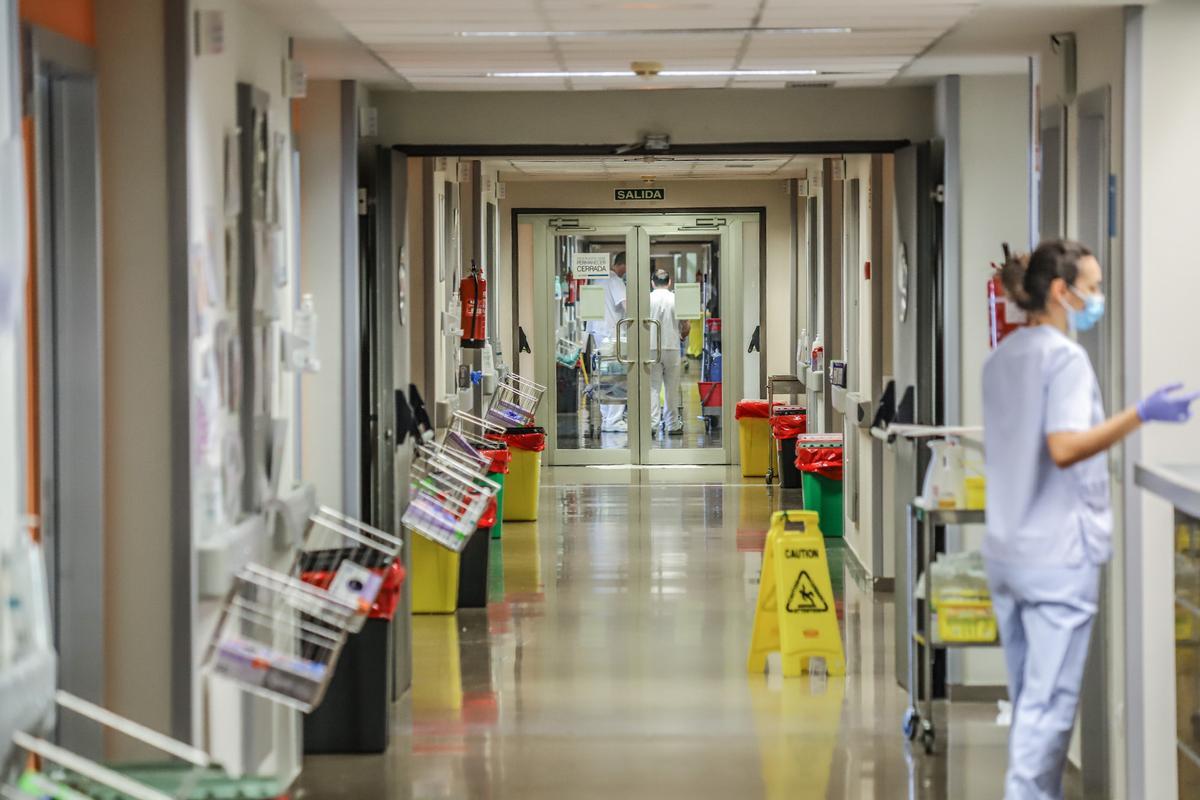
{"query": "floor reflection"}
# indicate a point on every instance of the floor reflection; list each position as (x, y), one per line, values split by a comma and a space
(610, 663)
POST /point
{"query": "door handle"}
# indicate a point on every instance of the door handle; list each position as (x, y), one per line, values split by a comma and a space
(658, 339)
(621, 324)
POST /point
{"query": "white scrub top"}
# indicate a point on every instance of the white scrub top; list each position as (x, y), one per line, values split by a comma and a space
(662, 311)
(614, 306)
(1037, 382)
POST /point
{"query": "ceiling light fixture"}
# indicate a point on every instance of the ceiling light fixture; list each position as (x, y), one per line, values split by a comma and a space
(601, 34)
(666, 73)
(618, 74)
(734, 73)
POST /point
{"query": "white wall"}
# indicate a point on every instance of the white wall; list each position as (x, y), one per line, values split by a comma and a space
(255, 49)
(319, 139)
(12, 283)
(994, 207)
(859, 536)
(769, 194)
(688, 116)
(1160, 224)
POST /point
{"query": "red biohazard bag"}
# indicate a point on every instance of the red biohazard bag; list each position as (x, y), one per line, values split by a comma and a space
(751, 409)
(530, 442)
(531, 439)
(789, 426)
(501, 459)
(389, 593)
(823, 461)
(489, 516)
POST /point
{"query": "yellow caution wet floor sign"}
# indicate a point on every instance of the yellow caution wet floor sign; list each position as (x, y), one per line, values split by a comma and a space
(796, 613)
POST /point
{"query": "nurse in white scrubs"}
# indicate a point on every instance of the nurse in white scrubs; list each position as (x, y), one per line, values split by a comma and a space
(1049, 521)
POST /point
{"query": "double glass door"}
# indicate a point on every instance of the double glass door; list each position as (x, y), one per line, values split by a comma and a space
(638, 313)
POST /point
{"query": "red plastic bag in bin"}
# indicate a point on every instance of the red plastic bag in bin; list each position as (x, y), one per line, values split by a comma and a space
(388, 598)
(501, 459)
(824, 461)
(532, 441)
(389, 591)
(751, 409)
(789, 426)
(489, 516)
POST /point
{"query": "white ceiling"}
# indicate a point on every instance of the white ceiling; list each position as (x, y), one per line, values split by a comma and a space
(765, 167)
(405, 44)
(429, 51)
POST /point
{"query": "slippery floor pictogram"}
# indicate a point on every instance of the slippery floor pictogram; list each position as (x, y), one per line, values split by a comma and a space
(805, 596)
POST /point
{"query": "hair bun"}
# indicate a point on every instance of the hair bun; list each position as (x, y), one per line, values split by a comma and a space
(1012, 275)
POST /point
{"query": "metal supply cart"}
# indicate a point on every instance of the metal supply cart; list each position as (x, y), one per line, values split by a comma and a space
(607, 384)
(788, 385)
(922, 520)
(711, 372)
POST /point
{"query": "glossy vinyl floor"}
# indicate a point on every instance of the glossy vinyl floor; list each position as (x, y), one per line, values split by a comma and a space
(611, 664)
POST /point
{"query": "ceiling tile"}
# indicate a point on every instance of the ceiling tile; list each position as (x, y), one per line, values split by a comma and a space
(427, 49)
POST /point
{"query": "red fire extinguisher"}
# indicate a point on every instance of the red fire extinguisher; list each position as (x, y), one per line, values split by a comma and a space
(1003, 317)
(472, 292)
(572, 289)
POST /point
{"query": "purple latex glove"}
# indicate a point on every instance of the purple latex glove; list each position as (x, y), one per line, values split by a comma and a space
(1161, 406)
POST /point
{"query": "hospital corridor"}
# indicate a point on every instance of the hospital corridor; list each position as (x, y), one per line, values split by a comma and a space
(573, 399)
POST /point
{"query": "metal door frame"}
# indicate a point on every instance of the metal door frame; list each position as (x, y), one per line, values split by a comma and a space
(1104, 349)
(64, 105)
(631, 223)
(730, 290)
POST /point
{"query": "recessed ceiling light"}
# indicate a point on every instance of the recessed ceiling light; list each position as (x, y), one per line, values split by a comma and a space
(618, 74)
(734, 73)
(647, 32)
(666, 73)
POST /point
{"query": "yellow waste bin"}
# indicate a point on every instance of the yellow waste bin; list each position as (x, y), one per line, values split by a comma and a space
(754, 437)
(434, 577)
(525, 445)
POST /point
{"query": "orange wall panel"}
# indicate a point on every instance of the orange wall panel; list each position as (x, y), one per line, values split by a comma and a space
(75, 19)
(33, 467)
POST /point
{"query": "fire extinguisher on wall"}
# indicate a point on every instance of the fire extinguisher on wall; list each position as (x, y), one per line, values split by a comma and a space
(572, 289)
(1003, 317)
(472, 292)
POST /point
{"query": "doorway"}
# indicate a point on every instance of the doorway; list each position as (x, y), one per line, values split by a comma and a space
(70, 346)
(635, 316)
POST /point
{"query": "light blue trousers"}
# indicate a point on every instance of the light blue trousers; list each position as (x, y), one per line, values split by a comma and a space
(1045, 617)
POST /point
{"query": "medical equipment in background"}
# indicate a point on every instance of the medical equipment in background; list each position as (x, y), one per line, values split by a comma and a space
(802, 351)
(472, 292)
(816, 359)
(1003, 317)
(944, 479)
(301, 344)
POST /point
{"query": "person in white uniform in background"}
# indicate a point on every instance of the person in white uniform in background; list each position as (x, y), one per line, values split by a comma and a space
(1049, 521)
(664, 352)
(612, 414)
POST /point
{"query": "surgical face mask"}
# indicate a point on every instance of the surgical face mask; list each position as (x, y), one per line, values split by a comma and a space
(1086, 318)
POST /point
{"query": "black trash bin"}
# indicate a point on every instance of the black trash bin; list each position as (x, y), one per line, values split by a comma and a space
(353, 716)
(785, 427)
(473, 569)
(789, 476)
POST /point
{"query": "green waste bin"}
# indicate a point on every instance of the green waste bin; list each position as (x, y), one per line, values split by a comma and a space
(824, 495)
(498, 472)
(819, 458)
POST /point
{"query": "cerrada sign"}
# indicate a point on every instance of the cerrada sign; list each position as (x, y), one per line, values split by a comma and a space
(640, 194)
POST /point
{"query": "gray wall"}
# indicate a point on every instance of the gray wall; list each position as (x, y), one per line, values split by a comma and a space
(689, 116)
(139, 425)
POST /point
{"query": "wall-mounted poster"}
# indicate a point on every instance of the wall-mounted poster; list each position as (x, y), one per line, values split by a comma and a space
(233, 171)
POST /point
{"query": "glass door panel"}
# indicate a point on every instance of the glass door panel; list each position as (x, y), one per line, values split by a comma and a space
(594, 342)
(683, 406)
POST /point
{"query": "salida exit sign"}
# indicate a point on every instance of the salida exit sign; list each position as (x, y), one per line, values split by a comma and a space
(640, 193)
